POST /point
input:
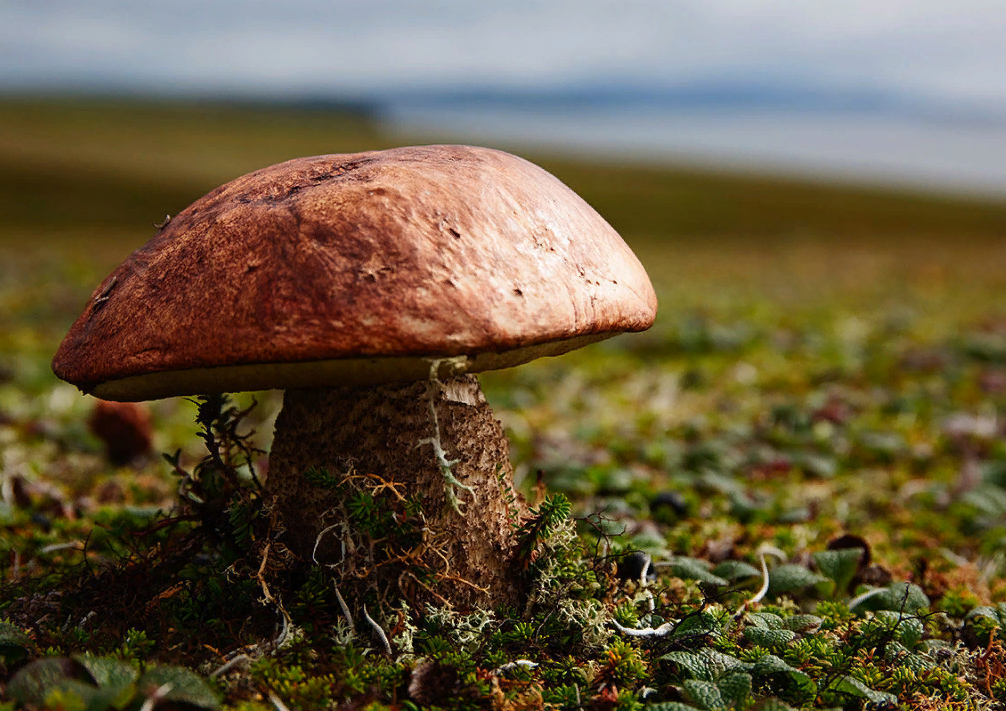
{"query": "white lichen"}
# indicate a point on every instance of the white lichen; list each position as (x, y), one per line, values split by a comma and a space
(404, 641)
(468, 631)
(590, 617)
(433, 391)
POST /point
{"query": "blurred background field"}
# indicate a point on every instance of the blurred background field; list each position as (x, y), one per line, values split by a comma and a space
(83, 181)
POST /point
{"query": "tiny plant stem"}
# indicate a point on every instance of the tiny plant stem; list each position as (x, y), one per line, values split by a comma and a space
(260, 576)
(643, 583)
(646, 570)
(277, 702)
(445, 464)
(377, 629)
(526, 663)
(284, 631)
(662, 631)
(158, 694)
(757, 597)
(317, 542)
(230, 663)
(345, 609)
(74, 545)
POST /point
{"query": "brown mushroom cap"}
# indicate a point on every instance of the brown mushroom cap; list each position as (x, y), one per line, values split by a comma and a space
(357, 269)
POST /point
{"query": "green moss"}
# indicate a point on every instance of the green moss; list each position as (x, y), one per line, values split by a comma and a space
(958, 601)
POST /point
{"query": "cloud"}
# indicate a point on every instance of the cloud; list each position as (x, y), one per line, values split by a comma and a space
(945, 50)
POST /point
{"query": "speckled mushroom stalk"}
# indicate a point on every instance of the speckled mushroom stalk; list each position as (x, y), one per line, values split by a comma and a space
(385, 430)
(339, 278)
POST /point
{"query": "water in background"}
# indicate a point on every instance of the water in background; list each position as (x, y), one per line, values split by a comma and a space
(917, 152)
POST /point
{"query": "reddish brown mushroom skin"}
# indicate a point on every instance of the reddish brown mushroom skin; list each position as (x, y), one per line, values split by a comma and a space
(427, 251)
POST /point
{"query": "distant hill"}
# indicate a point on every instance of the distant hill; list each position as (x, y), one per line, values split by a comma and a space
(712, 95)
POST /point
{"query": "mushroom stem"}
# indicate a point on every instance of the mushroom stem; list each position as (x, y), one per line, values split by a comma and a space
(355, 433)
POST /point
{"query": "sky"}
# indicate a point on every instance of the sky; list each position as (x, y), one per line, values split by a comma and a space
(938, 66)
(951, 52)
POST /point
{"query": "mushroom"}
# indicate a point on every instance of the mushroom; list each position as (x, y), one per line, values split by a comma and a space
(371, 287)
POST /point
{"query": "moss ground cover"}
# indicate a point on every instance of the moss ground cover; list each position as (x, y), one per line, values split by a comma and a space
(821, 396)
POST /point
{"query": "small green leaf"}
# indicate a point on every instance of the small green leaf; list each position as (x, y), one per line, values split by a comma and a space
(693, 664)
(854, 687)
(900, 597)
(721, 663)
(735, 688)
(706, 694)
(73, 695)
(14, 643)
(108, 671)
(33, 683)
(670, 706)
(803, 623)
(980, 625)
(765, 620)
(697, 626)
(897, 653)
(185, 687)
(787, 578)
(733, 570)
(769, 638)
(907, 630)
(772, 705)
(839, 565)
(695, 569)
(772, 666)
(706, 664)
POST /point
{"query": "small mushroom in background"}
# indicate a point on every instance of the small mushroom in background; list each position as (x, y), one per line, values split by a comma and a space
(125, 430)
(371, 287)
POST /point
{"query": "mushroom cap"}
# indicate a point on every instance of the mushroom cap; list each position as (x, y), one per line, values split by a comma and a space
(358, 269)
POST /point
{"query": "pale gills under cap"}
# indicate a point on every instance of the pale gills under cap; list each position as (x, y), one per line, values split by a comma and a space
(357, 269)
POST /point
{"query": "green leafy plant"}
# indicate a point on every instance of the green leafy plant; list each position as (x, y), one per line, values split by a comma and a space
(101, 683)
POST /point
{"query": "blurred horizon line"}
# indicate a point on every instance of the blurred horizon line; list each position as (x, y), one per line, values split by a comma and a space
(802, 131)
(731, 95)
